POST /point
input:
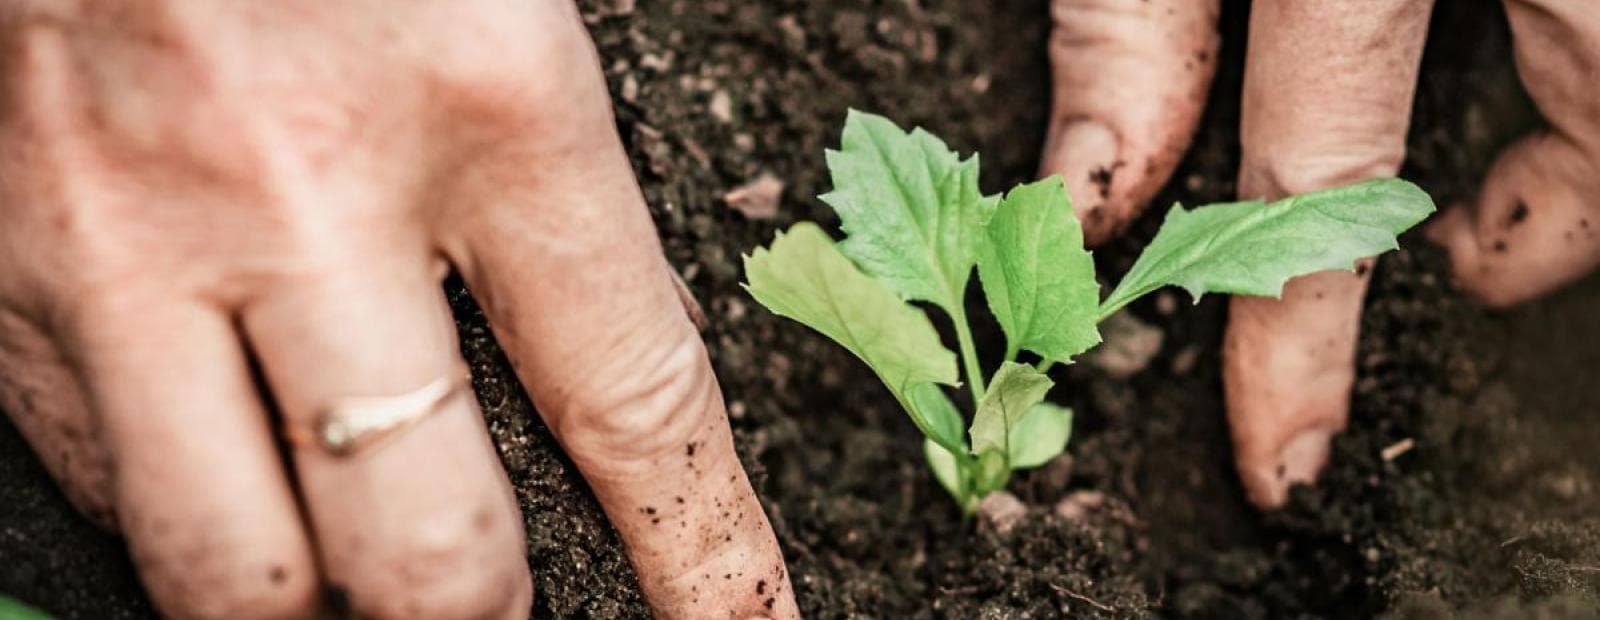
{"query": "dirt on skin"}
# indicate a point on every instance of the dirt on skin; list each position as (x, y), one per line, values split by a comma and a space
(1493, 512)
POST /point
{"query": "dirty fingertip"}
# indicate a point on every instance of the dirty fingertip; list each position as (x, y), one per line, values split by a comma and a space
(1455, 230)
(1084, 153)
(1262, 486)
(1299, 460)
(1302, 457)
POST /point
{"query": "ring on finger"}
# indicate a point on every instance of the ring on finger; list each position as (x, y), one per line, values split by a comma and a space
(350, 425)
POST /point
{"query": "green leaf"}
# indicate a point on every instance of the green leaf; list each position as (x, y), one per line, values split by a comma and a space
(930, 405)
(1040, 436)
(947, 469)
(12, 609)
(1038, 278)
(1252, 249)
(1016, 389)
(804, 277)
(910, 207)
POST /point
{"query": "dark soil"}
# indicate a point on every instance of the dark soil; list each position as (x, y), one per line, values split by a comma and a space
(1494, 513)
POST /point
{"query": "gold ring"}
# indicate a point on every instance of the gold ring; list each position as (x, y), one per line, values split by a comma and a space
(351, 424)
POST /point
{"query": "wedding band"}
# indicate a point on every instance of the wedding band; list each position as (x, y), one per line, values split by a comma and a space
(351, 424)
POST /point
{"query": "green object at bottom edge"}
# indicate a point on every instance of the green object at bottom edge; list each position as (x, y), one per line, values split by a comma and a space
(12, 609)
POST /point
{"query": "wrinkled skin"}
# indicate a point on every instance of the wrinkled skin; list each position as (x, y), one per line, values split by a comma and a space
(192, 192)
(1327, 97)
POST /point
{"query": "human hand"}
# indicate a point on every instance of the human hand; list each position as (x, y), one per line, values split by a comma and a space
(214, 213)
(1327, 100)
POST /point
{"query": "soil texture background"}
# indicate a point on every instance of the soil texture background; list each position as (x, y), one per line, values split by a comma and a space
(1493, 512)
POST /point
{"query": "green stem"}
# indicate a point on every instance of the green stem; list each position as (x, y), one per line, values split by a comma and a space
(1114, 303)
(968, 500)
(969, 354)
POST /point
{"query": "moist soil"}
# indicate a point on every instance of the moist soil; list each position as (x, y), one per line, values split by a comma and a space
(1494, 512)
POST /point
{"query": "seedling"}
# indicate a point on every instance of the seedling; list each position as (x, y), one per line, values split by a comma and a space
(916, 224)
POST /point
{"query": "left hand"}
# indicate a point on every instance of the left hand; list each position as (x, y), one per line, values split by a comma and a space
(214, 212)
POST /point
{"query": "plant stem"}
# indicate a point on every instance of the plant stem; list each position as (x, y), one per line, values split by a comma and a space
(1106, 310)
(968, 502)
(969, 354)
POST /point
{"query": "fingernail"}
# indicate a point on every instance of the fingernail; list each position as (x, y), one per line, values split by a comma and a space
(1303, 456)
(691, 306)
(1267, 480)
(1084, 153)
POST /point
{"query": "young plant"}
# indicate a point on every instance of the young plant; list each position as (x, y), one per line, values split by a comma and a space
(916, 225)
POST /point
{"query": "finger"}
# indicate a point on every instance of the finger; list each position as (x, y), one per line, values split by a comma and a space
(1130, 82)
(1288, 367)
(46, 401)
(1535, 226)
(423, 524)
(584, 306)
(1327, 99)
(200, 490)
(562, 254)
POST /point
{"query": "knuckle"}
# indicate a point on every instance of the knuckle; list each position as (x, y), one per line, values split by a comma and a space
(84, 315)
(455, 564)
(488, 84)
(1298, 168)
(1332, 147)
(664, 405)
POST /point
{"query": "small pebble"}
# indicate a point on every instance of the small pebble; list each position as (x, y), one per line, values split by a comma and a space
(653, 62)
(721, 107)
(1001, 511)
(735, 310)
(1566, 487)
(630, 89)
(981, 83)
(1079, 504)
(794, 35)
(1166, 303)
(1129, 346)
(757, 199)
(1185, 360)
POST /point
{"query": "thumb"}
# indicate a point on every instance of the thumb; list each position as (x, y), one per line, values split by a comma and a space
(1534, 227)
(1536, 224)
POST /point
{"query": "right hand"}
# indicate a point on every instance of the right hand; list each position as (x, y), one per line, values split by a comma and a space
(1327, 99)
